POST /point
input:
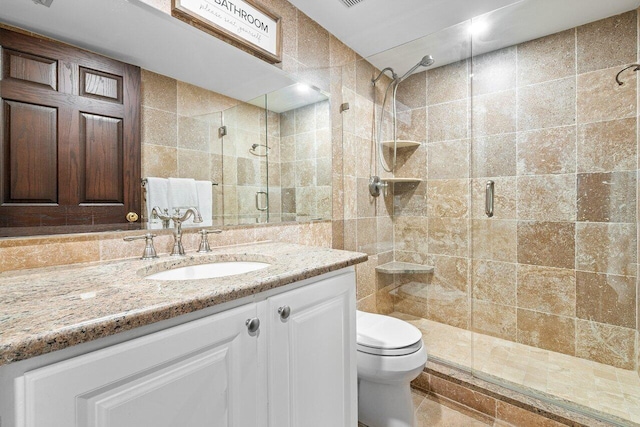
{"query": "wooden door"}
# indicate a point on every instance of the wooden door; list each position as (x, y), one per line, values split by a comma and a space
(312, 355)
(70, 135)
(200, 374)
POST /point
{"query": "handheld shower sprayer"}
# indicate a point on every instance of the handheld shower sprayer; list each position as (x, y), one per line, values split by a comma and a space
(426, 61)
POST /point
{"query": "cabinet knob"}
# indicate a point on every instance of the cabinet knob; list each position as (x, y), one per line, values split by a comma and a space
(285, 312)
(253, 324)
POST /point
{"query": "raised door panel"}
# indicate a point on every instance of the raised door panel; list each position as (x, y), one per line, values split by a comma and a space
(101, 85)
(200, 374)
(312, 359)
(30, 153)
(101, 143)
(30, 68)
(166, 396)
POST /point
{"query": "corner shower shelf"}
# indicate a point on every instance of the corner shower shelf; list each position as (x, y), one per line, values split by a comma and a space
(400, 144)
(401, 180)
(396, 267)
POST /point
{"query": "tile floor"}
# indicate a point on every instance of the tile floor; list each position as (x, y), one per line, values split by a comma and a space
(603, 388)
(433, 412)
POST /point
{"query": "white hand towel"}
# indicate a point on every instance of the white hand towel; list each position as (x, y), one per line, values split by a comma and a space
(205, 202)
(157, 195)
(182, 193)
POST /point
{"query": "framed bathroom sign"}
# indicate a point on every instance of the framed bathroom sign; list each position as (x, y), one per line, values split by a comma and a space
(242, 23)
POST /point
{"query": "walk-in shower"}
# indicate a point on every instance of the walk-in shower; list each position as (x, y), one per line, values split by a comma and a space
(542, 296)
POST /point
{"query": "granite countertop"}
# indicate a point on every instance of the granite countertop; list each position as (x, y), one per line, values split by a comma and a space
(48, 309)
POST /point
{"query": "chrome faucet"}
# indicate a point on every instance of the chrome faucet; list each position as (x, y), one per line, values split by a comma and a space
(178, 249)
(162, 214)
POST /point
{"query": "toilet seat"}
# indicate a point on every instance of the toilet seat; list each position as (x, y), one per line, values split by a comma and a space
(386, 336)
(390, 351)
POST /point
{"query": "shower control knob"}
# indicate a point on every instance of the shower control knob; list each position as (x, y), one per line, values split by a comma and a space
(253, 325)
(284, 312)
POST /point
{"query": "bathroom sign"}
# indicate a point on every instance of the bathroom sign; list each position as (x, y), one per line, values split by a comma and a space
(243, 23)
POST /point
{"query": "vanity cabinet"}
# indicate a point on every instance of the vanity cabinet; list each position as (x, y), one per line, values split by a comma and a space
(294, 370)
(312, 371)
(203, 373)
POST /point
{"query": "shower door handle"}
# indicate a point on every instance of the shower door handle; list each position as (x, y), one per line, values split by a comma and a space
(266, 198)
(488, 199)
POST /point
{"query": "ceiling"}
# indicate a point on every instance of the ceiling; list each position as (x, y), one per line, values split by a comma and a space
(133, 32)
(387, 33)
(399, 33)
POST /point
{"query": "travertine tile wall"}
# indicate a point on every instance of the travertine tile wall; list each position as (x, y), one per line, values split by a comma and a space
(556, 267)
(306, 172)
(34, 252)
(179, 128)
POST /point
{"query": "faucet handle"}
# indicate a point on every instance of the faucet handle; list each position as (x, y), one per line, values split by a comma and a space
(204, 240)
(149, 250)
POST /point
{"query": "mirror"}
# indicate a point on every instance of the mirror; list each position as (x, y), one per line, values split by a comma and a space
(269, 159)
(298, 153)
(272, 162)
(276, 158)
(181, 121)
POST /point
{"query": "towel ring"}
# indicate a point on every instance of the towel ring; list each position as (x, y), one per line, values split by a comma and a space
(624, 69)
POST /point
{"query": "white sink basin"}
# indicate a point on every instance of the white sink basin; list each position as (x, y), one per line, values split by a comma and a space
(209, 271)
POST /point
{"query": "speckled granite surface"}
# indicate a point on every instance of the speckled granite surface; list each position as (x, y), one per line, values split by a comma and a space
(48, 309)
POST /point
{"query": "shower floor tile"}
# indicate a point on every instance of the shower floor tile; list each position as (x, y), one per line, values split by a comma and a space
(602, 388)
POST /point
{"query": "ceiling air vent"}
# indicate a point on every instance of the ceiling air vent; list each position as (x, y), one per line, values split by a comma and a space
(350, 3)
(43, 2)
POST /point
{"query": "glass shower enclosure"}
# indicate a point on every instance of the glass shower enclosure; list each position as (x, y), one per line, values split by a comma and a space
(522, 196)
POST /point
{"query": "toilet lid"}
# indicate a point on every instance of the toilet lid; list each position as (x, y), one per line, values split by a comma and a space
(384, 335)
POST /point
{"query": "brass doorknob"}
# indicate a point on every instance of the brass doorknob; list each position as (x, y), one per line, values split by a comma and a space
(132, 217)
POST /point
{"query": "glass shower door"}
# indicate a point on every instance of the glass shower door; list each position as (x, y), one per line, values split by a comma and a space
(245, 159)
(553, 221)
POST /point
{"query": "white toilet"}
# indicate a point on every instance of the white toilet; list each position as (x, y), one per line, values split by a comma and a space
(390, 354)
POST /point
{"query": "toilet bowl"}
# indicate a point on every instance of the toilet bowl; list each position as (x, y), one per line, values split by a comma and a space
(390, 354)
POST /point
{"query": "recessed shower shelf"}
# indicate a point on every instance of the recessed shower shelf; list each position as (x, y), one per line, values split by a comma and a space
(401, 143)
(397, 267)
(401, 180)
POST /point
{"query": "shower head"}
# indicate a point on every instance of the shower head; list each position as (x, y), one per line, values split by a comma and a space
(426, 61)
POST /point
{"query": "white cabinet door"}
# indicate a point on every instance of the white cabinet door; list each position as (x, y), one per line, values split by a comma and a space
(200, 374)
(312, 355)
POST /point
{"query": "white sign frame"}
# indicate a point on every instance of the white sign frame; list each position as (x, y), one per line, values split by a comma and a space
(242, 22)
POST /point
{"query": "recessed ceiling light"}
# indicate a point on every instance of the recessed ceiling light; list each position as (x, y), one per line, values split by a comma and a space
(303, 87)
(478, 27)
